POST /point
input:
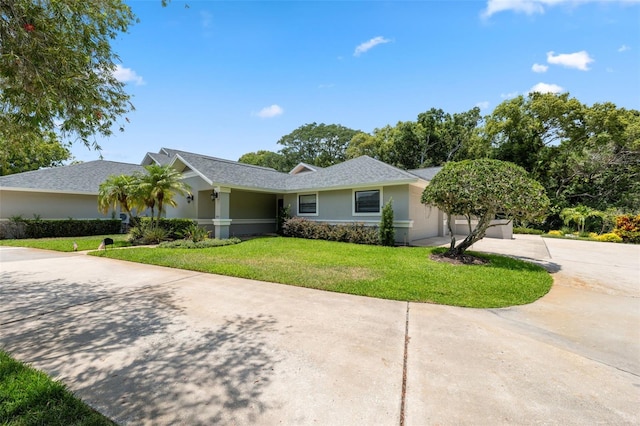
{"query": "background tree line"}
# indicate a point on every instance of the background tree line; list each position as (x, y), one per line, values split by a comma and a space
(583, 155)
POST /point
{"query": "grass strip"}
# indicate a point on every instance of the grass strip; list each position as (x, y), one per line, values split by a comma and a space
(66, 244)
(30, 397)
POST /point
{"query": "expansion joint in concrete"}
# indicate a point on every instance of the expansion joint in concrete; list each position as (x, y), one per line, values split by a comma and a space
(404, 368)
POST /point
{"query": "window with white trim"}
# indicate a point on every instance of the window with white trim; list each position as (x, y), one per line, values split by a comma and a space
(366, 202)
(308, 204)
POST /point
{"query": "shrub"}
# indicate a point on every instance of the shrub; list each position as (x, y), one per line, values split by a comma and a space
(556, 233)
(628, 228)
(610, 237)
(54, 228)
(387, 232)
(189, 244)
(154, 235)
(174, 227)
(284, 214)
(529, 231)
(146, 233)
(566, 230)
(356, 233)
(194, 233)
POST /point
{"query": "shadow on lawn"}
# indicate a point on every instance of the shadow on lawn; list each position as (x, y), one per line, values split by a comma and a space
(132, 355)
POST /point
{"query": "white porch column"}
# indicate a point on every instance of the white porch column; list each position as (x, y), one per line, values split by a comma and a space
(221, 221)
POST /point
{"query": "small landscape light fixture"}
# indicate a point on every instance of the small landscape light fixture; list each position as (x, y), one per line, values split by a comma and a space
(189, 198)
(214, 195)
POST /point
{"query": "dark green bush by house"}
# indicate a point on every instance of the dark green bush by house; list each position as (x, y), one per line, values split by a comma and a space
(387, 231)
(356, 233)
(50, 228)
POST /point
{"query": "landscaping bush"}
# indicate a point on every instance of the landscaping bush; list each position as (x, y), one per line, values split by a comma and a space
(194, 233)
(387, 232)
(56, 228)
(174, 227)
(556, 233)
(189, 244)
(628, 228)
(356, 233)
(529, 231)
(609, 237)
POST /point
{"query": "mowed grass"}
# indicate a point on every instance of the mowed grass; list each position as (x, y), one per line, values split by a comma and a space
(400, 273)
(66, 244)
(30, 397)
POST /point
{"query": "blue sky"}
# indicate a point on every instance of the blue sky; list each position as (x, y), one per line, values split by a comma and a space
(225, 78)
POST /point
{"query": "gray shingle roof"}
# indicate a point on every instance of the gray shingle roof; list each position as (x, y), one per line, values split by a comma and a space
(427, 173)
(87, 177)
(361, 171)
(82, 178)
(232, 173)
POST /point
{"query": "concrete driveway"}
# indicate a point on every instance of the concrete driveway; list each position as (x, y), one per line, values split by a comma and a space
(152, 345)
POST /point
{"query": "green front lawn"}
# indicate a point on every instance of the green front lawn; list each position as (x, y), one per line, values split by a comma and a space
(402, 273)
(30, 397)
(66, 244)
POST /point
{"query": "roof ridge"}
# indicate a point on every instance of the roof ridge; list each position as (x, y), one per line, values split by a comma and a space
(223, 160)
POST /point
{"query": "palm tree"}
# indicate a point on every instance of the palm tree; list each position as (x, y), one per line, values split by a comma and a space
(116, 190)
(158, 187)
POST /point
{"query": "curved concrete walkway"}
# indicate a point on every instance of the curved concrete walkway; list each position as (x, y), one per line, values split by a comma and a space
(152, 345)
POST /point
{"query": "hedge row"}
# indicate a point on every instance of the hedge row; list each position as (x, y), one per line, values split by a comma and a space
(303, 228)
(51, 228)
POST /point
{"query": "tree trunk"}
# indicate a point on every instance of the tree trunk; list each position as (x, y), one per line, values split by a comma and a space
(477, 234)
(451, 233)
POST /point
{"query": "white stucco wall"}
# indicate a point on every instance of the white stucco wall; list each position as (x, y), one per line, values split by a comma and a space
(49, 205)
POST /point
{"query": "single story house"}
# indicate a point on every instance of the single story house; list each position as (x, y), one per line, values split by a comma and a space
(235, 199)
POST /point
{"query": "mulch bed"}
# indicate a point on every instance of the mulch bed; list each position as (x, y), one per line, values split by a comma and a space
(465, 259)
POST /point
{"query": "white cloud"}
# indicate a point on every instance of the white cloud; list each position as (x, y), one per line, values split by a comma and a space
(531, 7)
(509, 95)
(127, 75)
(623, 48)
(579, 60)
(363, 47)
(270, 111)
(483, 105)
(539, 68)
(546, 88)
(205, 19)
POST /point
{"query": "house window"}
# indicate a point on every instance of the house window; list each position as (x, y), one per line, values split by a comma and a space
(367, 201)
(308, 204)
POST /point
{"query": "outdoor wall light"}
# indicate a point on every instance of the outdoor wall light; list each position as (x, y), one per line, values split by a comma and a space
(189, 198)
(214, 195)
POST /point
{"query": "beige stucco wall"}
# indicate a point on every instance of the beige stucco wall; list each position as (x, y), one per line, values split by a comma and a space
(427, 220)
(49, 205)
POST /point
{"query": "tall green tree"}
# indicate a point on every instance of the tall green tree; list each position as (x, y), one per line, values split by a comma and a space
(265, 158)
(319, 144)
(377, 145)
(482, 189)
(159, 185)
(44, 152)
(57, 69)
